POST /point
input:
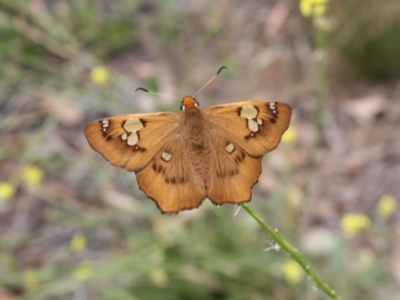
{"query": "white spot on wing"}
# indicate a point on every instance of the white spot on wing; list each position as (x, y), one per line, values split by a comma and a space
(252, 125)
(230, 148)
(105, 124)
(133, 125)
(133, 139)
(272, 107)
(166, 156)
(249, 112)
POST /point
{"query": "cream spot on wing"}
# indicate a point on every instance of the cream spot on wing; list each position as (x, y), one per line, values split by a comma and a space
(259, 121)
(133, 139)
(249, 112)
(166, 156)
(230, 148)
(252, 125)
(272, 107)
(133, 125)
(105, 124)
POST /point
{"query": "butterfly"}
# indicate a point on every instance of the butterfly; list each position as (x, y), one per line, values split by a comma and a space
(182, 159)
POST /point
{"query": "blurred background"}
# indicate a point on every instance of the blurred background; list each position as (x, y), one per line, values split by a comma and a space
(74, 227)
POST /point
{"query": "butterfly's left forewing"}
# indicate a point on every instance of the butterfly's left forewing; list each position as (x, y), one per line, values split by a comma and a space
(256, 126)
(241, 134)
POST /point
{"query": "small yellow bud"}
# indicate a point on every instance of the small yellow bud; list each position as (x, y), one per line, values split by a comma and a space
(314, 8)
(100, 75)
(84, 271)
(290, 136)
(292, 271)
(386, 206)
(7, 191)
(32, 175)
(159, 277)
(353, 223)
(31, 280)
(78, 242)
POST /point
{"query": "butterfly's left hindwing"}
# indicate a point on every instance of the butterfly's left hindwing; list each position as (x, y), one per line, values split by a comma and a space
(232, 173)
(131, 141)
(256, 126)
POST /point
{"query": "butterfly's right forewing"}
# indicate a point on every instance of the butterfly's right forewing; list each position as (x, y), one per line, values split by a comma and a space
(131, 141)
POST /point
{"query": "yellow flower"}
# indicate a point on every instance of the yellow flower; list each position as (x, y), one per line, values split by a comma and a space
(32, 175)
(159, 277)
(31, 280)
(292, 271)
(314, 8)
(7, 190)
(386, 206)
(290, 136)
(100, 75)
(84, 271)
(353, 223)
(78, 242)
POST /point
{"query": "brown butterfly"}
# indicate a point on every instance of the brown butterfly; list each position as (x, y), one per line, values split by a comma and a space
(181, 159)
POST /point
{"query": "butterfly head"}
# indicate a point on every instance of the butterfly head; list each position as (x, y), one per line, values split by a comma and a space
(189, 101)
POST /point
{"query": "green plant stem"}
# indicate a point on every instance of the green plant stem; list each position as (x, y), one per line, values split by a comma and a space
(293, 252)
(321, 64)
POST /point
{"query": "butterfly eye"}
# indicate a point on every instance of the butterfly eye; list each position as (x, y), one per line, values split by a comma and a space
(196, 103)
(182, 107)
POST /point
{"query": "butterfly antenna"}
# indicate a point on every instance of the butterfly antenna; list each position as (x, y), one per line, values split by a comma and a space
(219, 71)
(147, 91)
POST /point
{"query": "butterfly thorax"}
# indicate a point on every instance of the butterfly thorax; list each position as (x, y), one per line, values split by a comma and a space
(194, 127)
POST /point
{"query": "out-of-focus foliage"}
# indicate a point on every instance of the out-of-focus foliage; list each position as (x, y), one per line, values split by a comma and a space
(368, 37)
